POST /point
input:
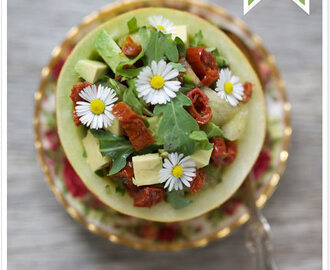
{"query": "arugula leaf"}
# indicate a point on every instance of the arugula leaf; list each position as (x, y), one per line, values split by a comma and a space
(170, 49)
(160, 46)
(179, 67)
(177, 200)
(132, 25)
(131, 99)
(130, 72)
(180, 46)
(154, 51)
(118, 148)
(197, 40)
(176, 125)
(201, 138)
(212, 130)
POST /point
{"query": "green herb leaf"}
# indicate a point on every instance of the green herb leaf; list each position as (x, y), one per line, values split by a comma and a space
(180, 46)
(176, 125)
(177, 200)
(132, 25)
(197, 40)
(130, 98)
(212, 130)
(118, 148)
(201, 138)
(179, 67)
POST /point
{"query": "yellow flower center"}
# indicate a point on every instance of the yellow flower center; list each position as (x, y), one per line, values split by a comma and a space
(97, 106)
(160, 27)
(157, 82)
(177, 171)
(229, 87)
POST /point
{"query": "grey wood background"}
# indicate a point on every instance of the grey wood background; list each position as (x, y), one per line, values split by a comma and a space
(40, 233)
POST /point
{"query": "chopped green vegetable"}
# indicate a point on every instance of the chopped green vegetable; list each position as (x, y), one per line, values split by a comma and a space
(221, 61)
(212, 130)
(179, 67)
(176, 125)
(118, 148)
(197, 40)
(132, 25)
(202, 140)
(107, 189)
(120, 188)
(187, 86)
(177, 200)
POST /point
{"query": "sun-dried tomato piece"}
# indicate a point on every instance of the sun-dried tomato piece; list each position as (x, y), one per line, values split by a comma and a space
(204, 64)
(149, 196)
(248, 87)
(126, 172)
(200, 108)
(76, 89)
(142, 196)
(199, 181)
(138, 134)
(224, 152)
(130, 48)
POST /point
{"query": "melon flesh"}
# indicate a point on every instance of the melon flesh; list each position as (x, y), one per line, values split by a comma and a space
(249, 145)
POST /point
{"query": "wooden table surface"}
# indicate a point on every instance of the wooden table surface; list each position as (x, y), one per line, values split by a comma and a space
(41, 235)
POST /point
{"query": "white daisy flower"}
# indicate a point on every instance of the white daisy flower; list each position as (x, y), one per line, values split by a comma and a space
(156, 84)
(162, 24)
(178, 171)
(229, 88)
(95, 111)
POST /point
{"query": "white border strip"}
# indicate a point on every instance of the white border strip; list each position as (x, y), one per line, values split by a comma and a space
(248, 7)
(3, 129)
(305, 7)
(325, 134)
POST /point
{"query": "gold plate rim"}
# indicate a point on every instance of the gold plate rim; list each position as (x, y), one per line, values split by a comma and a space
(264, 196)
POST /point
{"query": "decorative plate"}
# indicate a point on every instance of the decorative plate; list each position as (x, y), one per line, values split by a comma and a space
(142, 234)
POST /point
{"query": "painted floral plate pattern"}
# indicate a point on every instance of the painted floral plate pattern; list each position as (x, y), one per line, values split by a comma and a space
(139, 233)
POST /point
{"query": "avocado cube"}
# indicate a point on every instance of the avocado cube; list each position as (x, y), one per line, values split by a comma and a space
(181, 32)
(146, 169)
(95, 159)
(108, 49)
(91, 70)
(234, 129)
(116, 128)
(201, 157)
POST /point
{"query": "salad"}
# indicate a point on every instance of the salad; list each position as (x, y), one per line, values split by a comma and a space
(154, 116)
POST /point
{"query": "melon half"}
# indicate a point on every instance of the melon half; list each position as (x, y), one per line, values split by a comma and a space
(249, 145)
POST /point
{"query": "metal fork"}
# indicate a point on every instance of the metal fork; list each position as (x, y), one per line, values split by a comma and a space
(258, 232)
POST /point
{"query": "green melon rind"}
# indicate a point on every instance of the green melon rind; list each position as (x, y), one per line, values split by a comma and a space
(248, 147)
